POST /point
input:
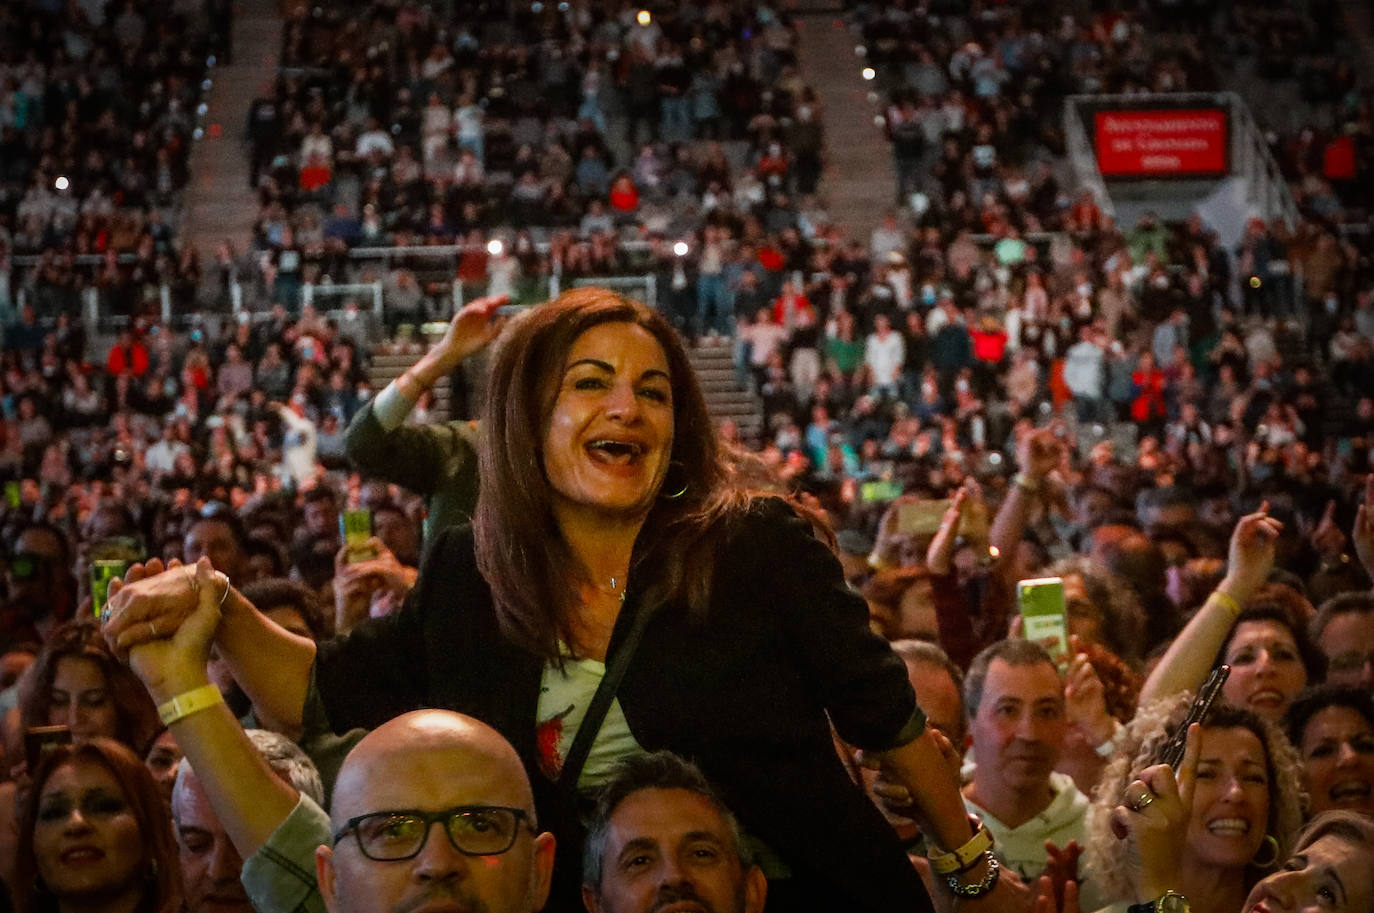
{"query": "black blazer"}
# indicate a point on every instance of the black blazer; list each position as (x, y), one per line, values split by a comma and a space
(746, 695)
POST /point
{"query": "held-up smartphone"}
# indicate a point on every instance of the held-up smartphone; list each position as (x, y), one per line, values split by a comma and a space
(879, 490)
(103, 570)
(1041, 601)
(118, 548)
(921, 518)
(1172, 751)
(39, 740)
(13, 497)
(355, 526)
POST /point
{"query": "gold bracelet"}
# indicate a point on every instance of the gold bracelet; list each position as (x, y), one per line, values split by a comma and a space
(189, 702)
(1227, 601)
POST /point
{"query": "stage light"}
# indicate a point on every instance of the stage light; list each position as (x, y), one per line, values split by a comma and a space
(62, 183)
(869, 73)
(680, 248)
(495, 247)
(643, 17)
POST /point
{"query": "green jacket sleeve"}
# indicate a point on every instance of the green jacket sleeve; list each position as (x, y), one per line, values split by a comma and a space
(417, 457)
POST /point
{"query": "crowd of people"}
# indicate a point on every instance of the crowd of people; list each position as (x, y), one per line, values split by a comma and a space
(98, 102)
(593, 582)
(560, 129)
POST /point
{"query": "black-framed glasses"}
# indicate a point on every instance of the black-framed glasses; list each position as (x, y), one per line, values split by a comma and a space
(1350, 661)
(474, 830)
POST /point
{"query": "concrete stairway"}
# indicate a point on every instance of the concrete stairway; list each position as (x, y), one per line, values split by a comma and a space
(859, 182)
(726, 397)
(219, 203)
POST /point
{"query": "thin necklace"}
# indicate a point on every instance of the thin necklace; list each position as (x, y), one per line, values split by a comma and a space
(617, 587)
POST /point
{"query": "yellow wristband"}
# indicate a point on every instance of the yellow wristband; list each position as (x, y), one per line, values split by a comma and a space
(1227, 601)
(966, 855)
(189, 702)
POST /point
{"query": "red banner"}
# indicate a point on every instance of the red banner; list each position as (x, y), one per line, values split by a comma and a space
(1161, 143)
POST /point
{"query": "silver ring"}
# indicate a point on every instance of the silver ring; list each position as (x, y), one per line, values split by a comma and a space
(105, 615)
(152, 626)
(1142, 801)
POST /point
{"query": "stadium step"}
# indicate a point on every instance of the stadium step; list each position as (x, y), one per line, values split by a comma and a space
(859, 181)
(726, 397)
(219, 203)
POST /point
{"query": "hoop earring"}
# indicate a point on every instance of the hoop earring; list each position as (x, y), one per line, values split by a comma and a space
(1272, 843)
(681, 491)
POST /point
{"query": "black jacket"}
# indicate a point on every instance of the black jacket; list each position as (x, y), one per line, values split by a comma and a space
(745, 695)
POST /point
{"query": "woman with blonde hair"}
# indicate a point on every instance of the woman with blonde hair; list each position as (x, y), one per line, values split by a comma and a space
(1247, 805)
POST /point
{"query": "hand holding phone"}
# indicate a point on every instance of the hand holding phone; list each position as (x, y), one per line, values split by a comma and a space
(1043, 615)
(355, 527)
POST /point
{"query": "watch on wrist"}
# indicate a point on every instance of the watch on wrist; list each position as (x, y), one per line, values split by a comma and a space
(1168, 902)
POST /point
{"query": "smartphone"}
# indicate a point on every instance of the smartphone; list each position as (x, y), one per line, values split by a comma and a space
(1041, 601)
(921, 518)
(1172, 751)
(118, 548)
(39, 740)
(880, 490)
(12, 495)
(356, 528)
(103, 570)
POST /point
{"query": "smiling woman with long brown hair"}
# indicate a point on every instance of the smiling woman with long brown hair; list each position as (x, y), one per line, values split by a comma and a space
(607, 506)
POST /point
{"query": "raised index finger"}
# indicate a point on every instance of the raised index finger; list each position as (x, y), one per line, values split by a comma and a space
(1187, 769)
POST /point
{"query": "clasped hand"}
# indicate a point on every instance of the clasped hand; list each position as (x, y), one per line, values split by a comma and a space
(161, 619)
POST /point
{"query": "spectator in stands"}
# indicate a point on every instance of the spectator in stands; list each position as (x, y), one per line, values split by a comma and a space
(1343, 629)
(1247, 806)
(210, 865)
(1332, 727)
(120, 820)
(661, 808)
(1017, 723)
(884, 354)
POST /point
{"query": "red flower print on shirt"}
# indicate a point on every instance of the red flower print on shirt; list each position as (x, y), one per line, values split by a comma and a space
(548, 735)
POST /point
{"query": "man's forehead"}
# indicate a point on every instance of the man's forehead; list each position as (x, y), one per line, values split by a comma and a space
(430, 778)
(191, 807)
(666, 816)
(1030, 682)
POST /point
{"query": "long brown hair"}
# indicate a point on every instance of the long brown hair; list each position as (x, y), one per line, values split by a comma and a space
(162, 891)
(531, 568)
(137, 722)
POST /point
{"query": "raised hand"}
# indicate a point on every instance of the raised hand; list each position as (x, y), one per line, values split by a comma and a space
(471, 330)
(1085, 701)
(1327, 537)
(1038, 454)
(176, 662)
(1051, 900)
(1363, 533)
(1251, 555)
(150, 603)
(1154, 819)
(1061, 868)
(940, 554)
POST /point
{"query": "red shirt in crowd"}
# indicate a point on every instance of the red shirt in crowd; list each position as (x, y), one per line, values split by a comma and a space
(132, 358)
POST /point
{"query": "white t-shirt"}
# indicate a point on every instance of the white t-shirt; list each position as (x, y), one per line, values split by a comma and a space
(564, 695)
